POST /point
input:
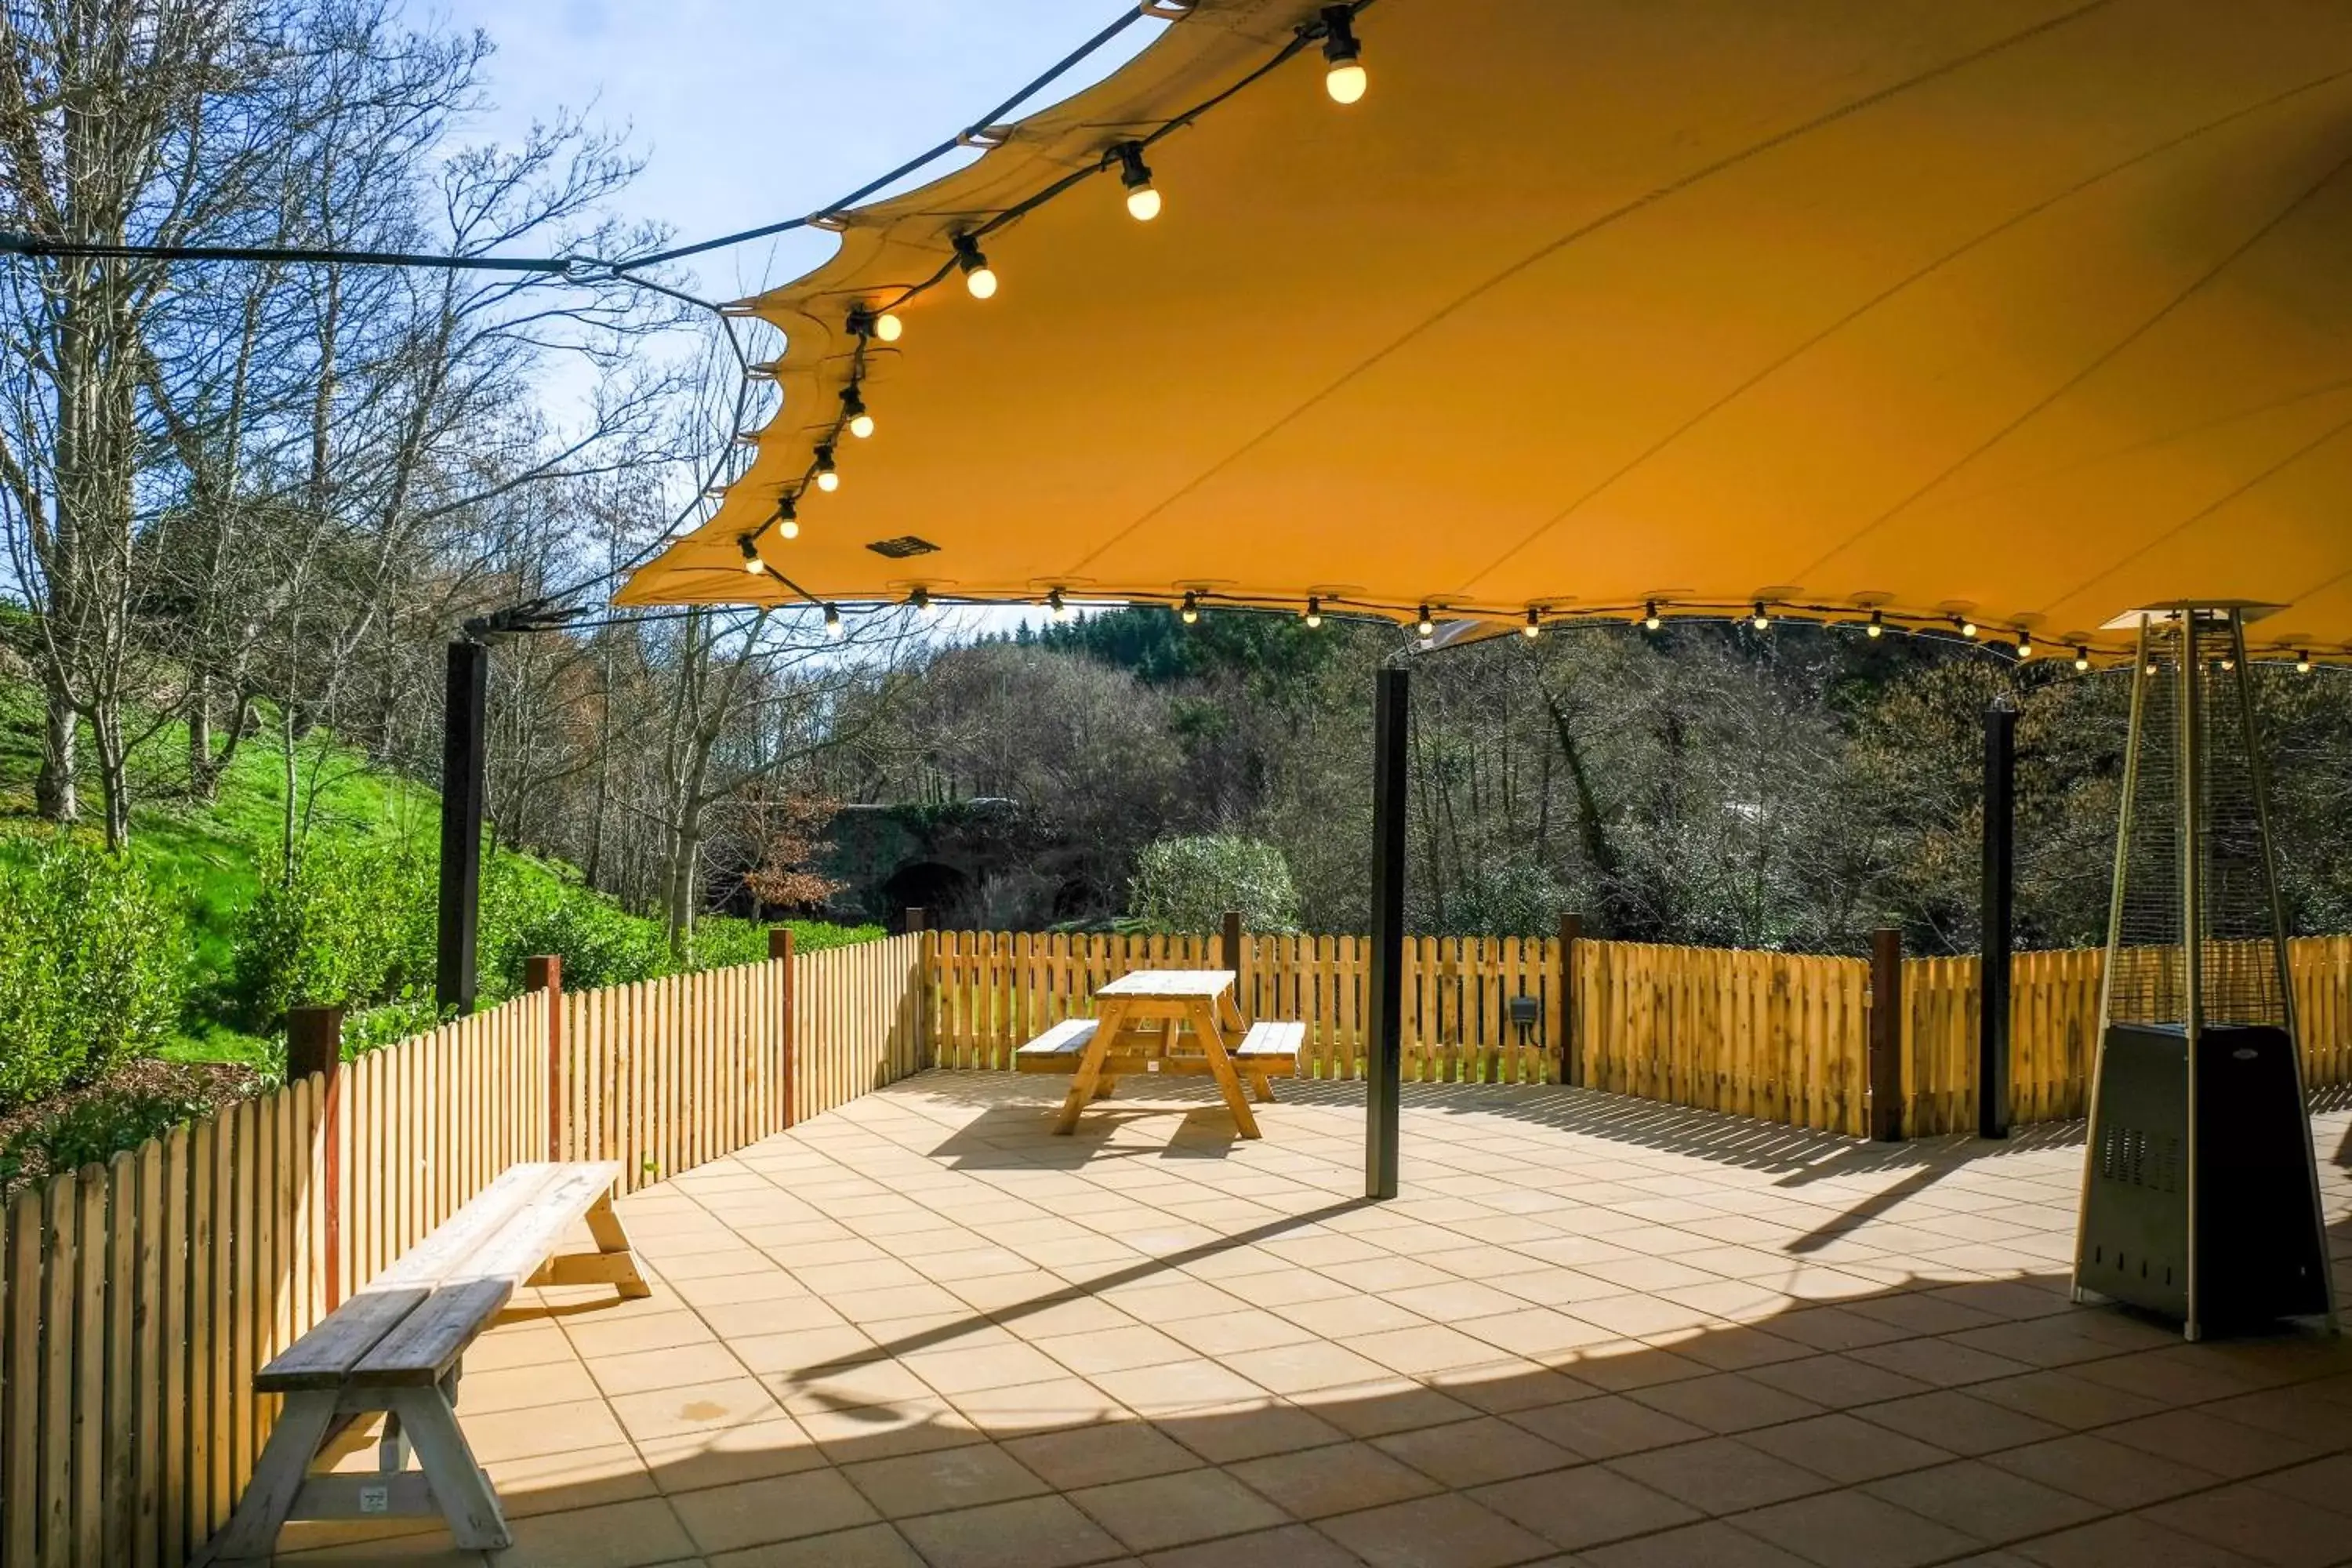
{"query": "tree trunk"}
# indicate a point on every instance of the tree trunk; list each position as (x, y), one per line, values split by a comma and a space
(202, 774)
(55, 795)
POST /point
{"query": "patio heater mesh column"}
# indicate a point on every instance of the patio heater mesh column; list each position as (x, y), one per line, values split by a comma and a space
(2199, 1187)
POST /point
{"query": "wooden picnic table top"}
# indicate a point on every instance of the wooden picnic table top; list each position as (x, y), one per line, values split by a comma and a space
(1169, 984)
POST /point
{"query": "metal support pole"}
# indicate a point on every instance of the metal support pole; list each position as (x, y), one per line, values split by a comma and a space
(1886, 1035)
(1391, 712)
(1999, 917)
(462, 756)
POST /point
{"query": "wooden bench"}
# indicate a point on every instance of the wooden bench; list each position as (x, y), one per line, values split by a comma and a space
(1268, 1050)
(397, 1346)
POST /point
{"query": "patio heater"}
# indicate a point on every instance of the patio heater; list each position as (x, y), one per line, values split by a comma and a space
(2201, 1192)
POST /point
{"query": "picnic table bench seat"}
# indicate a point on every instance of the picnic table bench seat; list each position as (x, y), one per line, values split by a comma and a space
(397, 1346)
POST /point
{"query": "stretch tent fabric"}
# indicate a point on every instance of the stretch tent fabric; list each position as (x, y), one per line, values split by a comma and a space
(2030, 311)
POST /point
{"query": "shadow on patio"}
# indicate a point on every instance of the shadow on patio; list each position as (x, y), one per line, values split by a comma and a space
(921, 1330)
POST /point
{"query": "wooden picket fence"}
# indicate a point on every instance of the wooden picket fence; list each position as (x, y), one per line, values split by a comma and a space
(992, 991)
(1778, 1035)
(137, 1298)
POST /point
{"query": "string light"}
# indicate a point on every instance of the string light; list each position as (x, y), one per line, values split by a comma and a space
(1056, 607)
(1142, 201)
(1313, 613)
(828, 478)
(1343, 77)
(1877, 627)
(2228, 665)
(921, 599)
(1967, 628)
(1760, 621)
(788, 523)
(978, 276)
(2302, 662)
(1191, 610)
(2082, 661)
(887, 327)
(1423, 625)
(1650, 621)
(1534, 628)
(865, 323)
(751, 561)
(833, 623)
(2026, 644)
(861, 423)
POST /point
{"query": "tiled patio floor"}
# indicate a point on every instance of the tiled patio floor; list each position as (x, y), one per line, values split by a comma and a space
(922, 1330)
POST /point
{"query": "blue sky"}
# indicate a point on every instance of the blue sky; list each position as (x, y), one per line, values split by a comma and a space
(746, 112)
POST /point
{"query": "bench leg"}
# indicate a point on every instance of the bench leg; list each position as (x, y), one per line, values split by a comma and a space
(1104, 1086)
(277, 1479)
(458, 1485)
(611, 1264)
(1261, 1087)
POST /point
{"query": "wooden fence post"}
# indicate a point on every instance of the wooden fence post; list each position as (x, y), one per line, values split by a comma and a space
(314, 1043)
(1571, 1065)
(1229, 956)
(780, 948)
(545, 971)
(1886, 1035)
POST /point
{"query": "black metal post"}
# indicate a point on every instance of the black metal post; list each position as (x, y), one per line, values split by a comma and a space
(462, 754)
(1391, 712)
(1999, 917)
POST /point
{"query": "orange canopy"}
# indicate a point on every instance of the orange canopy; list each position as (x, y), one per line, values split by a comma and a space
(2031, 312)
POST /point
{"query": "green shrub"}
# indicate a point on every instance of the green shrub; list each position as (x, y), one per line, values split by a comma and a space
(529, 909)
(89, 969)
(352, 927)
(721, 942)
(1188, 884)
(96, 1127)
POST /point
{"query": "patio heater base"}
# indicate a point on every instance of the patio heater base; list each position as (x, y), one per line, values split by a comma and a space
(2247, 1180)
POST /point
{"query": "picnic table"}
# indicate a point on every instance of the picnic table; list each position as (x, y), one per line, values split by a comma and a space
(1165, 1021)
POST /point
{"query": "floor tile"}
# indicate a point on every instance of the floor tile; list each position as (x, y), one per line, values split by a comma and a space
(1853, 1530)
(1032, 1532)
(941, 1479)
(1340, 1478)
(1584, 1506)
(1447, 1531)
(775, 1508)
(1159, 1511)
(1991, 1504)
(1463, 1454)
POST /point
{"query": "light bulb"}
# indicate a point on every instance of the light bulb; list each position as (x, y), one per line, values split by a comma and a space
(790, 527)
(2024, 644)
(1877, 627)
(976, 274)
(2082, 661)
(921, 599)
(788, 523)
(1142, 201)
(2303, 664)
(828, 478)
(1343, 77)
(861, 423)
(2149, 669)
(2228, 665)
(751, 561)
(1424, 625)
(1191, 610)
(1650, 620)
(833, 623)
(1314, 616)
(1534, 626)
(1056, 607)
(1967, 628)
(887, 327)
(1760, 621)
